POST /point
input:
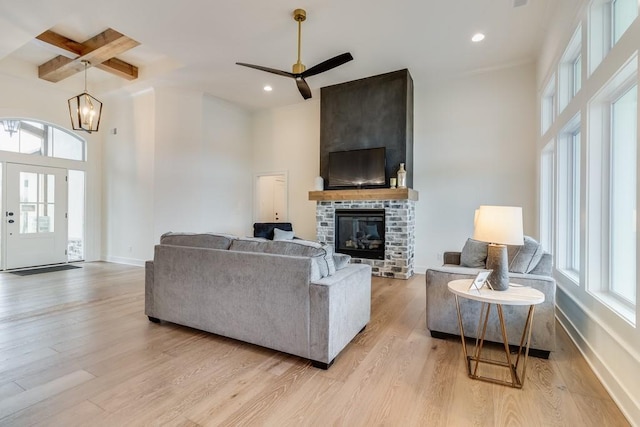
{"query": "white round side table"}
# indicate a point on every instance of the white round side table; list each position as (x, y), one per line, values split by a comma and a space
(515, 295)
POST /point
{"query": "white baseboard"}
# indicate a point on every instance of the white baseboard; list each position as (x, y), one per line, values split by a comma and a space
(419, 269)
(616, 388)
(123, 260)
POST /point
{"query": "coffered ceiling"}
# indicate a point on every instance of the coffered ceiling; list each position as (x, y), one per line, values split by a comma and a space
(195, 44)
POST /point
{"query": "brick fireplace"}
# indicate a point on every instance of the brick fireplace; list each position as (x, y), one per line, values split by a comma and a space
(399, 224)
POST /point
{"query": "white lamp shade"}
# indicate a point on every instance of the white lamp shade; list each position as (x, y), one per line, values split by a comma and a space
(499, 224)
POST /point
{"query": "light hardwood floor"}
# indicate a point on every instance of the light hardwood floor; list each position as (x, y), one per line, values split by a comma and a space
(76, 349)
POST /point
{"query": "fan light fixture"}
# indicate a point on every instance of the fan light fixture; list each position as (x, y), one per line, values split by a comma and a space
(11, 126)
(84, 109)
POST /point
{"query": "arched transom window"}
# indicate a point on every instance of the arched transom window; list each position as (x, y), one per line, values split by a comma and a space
(38, 138)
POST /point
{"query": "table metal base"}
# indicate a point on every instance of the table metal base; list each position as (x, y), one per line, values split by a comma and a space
(473, 361)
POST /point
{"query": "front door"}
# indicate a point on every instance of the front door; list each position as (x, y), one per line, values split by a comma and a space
(35, 216)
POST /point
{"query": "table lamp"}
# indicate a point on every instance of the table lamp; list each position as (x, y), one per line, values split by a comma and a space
(499, 226)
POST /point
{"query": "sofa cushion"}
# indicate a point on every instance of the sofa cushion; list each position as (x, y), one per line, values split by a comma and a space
(198, 240)
(249, 244)
(474, 254)
(527, 256)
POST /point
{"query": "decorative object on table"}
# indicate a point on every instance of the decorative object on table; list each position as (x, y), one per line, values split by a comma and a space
(299, 70)
(480, 280)
(319, 183)
(402, 177)
(499, 226)
(392, 183)
(84, 109)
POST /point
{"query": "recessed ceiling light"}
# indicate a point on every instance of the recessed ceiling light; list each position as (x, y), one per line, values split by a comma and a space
(268, 88)
(477, 37)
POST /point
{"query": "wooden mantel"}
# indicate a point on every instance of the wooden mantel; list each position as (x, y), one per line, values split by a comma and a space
(366, 194)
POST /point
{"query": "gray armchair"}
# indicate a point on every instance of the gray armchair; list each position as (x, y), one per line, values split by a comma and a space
(442, 318)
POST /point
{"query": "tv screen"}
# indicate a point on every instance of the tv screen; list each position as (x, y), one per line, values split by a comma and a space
(357, 168)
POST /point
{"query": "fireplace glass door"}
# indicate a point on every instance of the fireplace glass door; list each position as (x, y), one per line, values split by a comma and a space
(360, 232)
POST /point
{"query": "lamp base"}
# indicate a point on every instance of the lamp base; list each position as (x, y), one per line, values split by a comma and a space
(498, 262)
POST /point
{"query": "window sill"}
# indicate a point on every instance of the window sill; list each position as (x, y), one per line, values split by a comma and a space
(626, 313)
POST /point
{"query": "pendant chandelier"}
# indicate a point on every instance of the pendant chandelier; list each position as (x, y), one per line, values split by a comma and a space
(11, 126)
(84, 109)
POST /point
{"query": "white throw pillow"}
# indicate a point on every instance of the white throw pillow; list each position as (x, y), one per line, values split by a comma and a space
(282, 235)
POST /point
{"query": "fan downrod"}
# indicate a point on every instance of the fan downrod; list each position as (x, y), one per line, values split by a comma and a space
(299, 15)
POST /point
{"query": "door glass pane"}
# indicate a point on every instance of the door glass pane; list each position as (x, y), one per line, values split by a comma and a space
(28, 187)
(28, 218)
(37, 197)
(50, 189)
(45, 217)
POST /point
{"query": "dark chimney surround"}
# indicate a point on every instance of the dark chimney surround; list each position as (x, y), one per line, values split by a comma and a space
(369, 113)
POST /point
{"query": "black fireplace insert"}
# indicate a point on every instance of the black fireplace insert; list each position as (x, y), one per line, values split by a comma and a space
(360, 232)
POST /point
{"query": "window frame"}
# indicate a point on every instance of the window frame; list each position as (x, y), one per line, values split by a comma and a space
(598, 165)
(569, 187)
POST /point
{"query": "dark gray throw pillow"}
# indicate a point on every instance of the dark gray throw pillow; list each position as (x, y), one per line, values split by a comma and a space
(474, 254)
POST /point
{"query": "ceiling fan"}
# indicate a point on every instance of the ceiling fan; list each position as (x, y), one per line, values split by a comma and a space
(299, 70)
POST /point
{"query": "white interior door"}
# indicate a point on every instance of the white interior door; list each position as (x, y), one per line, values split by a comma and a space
(36, 216)
(271, 198)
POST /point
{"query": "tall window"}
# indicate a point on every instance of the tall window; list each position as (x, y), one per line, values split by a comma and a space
(609, 19)
(623, 203)
(576, 71)
(623, 12)
(612, 203)
(569, 201)
(547, 197)
(548, 106)
(570, 70)
(40, 139)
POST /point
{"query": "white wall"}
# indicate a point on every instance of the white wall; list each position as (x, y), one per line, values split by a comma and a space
(180, 161)
(610, 344)
(474, 143)
(288, 139)
(128, 159)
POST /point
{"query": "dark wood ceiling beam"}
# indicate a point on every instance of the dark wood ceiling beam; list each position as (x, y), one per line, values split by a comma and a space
(99, 50)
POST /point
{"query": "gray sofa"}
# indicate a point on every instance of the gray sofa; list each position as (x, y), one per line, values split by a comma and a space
(284, 295)
(442, 318)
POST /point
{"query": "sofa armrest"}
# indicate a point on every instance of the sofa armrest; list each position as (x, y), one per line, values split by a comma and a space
(340, 307)
(451, 258)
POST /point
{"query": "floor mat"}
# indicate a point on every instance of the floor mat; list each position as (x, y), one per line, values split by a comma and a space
(39, 270)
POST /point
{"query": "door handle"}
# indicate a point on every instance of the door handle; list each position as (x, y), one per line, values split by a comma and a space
(11, 221)
(9, 213)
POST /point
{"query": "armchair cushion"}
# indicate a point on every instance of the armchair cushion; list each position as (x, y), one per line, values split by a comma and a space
(474, 254)
(527, 256)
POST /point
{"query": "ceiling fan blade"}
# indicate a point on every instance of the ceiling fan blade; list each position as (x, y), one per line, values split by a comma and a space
(334, 62)
(303, 87)
(268, 70)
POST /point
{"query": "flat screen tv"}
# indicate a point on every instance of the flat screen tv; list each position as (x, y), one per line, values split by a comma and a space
(357, 169)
